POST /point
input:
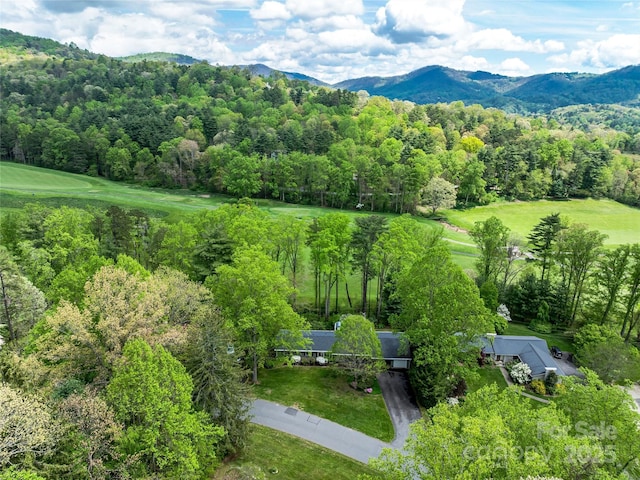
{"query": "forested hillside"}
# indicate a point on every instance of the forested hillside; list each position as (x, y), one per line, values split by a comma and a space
(225, 130)
(535, 94)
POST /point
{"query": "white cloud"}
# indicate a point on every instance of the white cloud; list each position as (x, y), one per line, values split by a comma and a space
(336, 22)
(310, 9)
(616, 51)
(473, 64)
(346, 40)
(514, 67)
(503, 39)
(407, 21)
(121, 35)
(271, 11)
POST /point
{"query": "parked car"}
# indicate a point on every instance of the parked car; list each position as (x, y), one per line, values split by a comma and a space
(556, 352)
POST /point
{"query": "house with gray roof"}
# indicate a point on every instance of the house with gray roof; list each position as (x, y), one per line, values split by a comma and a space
(395, 350)
(531, 350)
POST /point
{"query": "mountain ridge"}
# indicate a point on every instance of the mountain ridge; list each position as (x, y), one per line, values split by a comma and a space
(539, 93)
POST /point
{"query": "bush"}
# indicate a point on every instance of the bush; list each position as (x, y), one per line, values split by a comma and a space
(560, 389)
(510, 364)
(540, 327)
(521, 373)
(500, 324)
(538, 386)
(272, 362)
(550, 382)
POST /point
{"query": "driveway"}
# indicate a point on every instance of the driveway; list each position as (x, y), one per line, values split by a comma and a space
(401, 403)
(318, 430)
(567, 366)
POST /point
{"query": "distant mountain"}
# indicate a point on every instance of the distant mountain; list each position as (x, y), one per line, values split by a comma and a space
(538, 93)
(161, 57)
(431, 84)
(265, 71)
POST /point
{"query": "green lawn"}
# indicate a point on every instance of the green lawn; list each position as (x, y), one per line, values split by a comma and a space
(486, 376)
(20, 184)
(561, 340)
(292, 457)
(489, 375)
(325, 391)
(620, 222)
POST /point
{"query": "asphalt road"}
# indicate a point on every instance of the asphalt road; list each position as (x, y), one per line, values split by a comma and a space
(397, 396)
(318, 430)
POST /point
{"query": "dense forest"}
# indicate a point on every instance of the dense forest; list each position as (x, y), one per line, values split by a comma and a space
(129, 344)
(221, 129)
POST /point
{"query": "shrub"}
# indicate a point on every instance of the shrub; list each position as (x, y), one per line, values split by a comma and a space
(550, 382)
(538, 387)
(510, 364)
(540, 327)
(521, 373)
(500, 324)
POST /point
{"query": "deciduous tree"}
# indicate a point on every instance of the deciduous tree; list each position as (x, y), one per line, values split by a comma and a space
(252, 294)
(150, 393)
(27, 426)
(364, 237)
(491, 236)
(439, 194)
(358, 348)
(576, 251)
(442, 313)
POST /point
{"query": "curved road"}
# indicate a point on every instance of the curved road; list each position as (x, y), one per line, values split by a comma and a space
(318, 430)
(398, 399)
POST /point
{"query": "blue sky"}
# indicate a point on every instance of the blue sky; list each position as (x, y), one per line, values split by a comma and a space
(334, 40)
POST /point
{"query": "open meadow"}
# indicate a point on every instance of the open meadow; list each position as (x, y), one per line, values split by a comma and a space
(619, 222)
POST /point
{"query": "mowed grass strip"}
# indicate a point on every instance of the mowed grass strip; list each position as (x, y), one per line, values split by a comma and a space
(620, 222)
(325, 392)
(21, 184)
(293, 457)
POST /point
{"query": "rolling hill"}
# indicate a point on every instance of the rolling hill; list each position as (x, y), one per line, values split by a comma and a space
(537, 93)
(431, 84)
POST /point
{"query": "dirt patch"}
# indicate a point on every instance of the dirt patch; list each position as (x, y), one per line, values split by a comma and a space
(448, 226)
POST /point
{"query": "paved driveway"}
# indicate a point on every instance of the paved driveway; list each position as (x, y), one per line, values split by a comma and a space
(401, 403)
(318, 430)
(568, 367)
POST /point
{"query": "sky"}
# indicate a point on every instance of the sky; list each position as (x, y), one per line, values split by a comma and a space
(334, 40)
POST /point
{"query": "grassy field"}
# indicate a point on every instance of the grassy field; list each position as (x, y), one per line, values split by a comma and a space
(20, 184)
(561, 340)
(325, 391)
(620, 222)
(292, 457)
